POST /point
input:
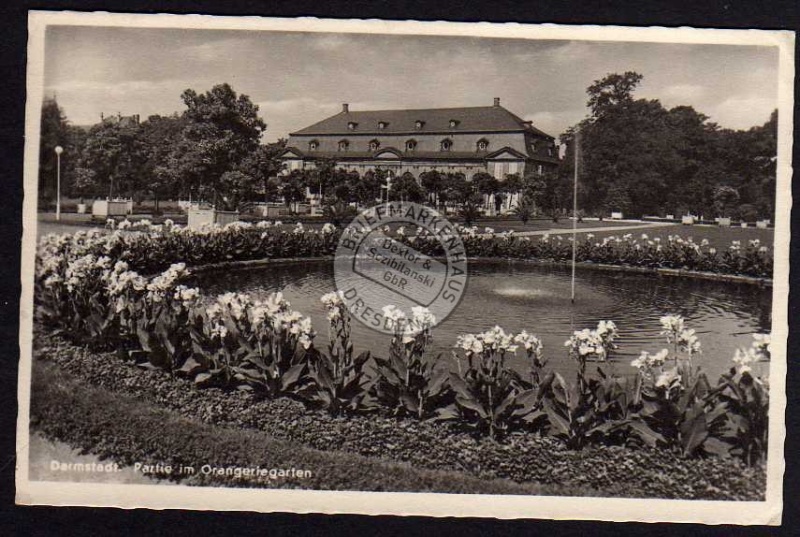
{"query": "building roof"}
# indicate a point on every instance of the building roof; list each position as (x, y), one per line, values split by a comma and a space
(436, 120)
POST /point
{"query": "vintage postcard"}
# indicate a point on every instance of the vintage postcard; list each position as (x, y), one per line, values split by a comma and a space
(405, 268)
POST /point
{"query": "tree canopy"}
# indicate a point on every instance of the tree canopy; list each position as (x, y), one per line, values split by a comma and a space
(638, 157)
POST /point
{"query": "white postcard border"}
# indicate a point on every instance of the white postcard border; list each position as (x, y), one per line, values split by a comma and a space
(437, 505)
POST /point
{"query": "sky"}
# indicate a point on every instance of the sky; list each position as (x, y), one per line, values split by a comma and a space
(300, 78)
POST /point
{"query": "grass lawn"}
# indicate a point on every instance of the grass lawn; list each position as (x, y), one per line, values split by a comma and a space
(717, 237)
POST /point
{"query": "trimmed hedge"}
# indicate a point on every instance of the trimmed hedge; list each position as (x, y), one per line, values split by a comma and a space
(614, 471)
(129, 430)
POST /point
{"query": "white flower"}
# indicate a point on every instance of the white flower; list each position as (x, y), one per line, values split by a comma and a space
(671, 324)
(488, 230)
(328, 228)
(470, 344)
(394, 317)
(332, 299)
(186, 296)
(668, 379)
(641, 362)
(275, 303)
(422, 317)
(650, 360)
(762, 346)
(688, 342)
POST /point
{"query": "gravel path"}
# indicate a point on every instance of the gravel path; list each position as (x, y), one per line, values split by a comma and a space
(44, 451)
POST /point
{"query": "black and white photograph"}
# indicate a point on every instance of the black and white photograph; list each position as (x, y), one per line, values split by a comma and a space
(408, 268)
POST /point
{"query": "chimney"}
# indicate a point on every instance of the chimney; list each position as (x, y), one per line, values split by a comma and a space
(497, 101)
(345, 108)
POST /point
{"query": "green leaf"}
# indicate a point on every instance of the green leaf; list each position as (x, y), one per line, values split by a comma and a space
(292, 376)
(556, 418)
(471, 404)
(646, 434)
(693, 430)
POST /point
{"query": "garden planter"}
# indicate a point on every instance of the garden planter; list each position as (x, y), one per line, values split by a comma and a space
(198, 218)
(687, 220)
(616, 216)
(106, 208)
(762, 224)
(744, 225)
(724, 222)
(81, 208)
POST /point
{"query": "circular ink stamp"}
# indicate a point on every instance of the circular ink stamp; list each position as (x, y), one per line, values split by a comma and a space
(379, 262)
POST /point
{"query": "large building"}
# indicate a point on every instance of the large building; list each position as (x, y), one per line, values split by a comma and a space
(466, 140)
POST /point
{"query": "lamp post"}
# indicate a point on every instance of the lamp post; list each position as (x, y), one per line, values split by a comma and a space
(58, 151)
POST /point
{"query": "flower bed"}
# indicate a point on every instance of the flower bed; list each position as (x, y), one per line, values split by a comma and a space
(149, 249)
(425, 445)
(87, 289)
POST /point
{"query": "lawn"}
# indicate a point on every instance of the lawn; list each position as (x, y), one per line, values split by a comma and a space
(717, 237)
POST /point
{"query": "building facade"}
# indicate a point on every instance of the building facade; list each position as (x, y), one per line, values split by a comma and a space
(470, 140)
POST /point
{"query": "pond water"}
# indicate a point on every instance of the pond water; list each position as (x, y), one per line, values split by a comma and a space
(536, 298)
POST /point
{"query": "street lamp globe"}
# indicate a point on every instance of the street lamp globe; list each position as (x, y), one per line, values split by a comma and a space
(58, 151)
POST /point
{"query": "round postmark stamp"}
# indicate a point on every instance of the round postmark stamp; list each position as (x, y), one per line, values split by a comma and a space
(400, 254)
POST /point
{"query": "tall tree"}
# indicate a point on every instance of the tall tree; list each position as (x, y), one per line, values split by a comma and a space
(112, 159)
(406, 188)
(264, 166)
(54, 131)
(222, 129)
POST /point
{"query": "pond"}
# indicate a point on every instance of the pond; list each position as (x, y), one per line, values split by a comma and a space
(536, 298)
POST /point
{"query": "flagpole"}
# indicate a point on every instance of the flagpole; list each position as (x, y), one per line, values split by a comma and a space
(574, 216)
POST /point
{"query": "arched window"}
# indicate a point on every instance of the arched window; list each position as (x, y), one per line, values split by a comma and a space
(344, 145)
(313, 145)
(411, 145)
(382, 125)
(446, 144)
(374, 145)
(483, 144)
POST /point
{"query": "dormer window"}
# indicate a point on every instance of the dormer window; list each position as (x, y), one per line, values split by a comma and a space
(446, 144)
(411, 145)
(483, 144)
(313, 145)
(419, 124)
(382, 125)
(344, 145)
(351, 125)
(374, 145)
(454, 123)
(550, 151)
